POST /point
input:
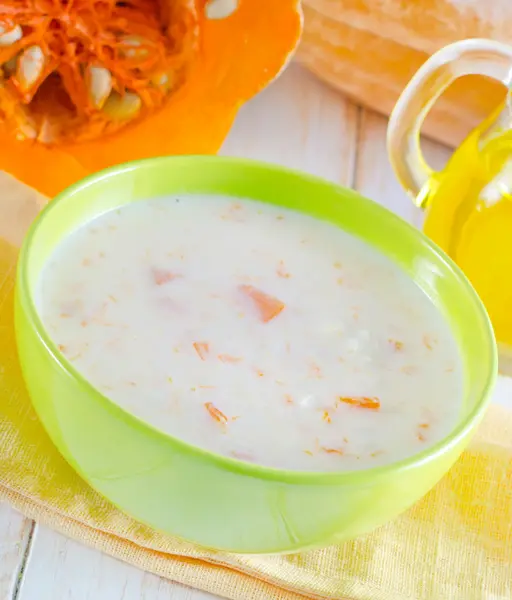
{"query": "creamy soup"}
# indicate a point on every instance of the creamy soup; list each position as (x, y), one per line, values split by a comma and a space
(253, 331)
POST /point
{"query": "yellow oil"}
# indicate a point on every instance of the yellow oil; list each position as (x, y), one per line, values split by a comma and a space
(469, 214)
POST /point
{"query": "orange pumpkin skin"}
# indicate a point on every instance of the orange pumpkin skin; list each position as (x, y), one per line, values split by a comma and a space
(238, 57)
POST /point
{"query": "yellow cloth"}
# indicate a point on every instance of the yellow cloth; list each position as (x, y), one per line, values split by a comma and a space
(455, 544)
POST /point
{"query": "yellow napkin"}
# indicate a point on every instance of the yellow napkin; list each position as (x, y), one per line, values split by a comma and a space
(455, 544)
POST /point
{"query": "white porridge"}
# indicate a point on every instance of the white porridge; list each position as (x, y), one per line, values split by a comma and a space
(253, 331)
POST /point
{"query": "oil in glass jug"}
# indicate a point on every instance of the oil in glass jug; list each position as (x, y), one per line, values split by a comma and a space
(468, 205)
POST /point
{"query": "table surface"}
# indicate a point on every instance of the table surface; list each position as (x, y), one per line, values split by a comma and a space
(298, 122)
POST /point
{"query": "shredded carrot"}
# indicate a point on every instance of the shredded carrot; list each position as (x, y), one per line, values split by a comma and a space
(242, 456)
(162, 276)
(288, 398)
(361, 401)
(260, 373)
(282, 271)
(86, 262)
(268, 306)
(136, 42)
(423, 425)
(61, 347)
(227, 358)
(397, 345)
(427, 342)
(84, 323)
(326, 416)
(315, 371)
(421, 437)
(332, 450)
(215, 413)
(202, 349)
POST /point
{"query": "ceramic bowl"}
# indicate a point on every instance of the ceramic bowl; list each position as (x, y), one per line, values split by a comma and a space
(219, 502)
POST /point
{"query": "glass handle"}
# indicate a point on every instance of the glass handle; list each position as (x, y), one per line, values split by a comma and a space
(468, 57)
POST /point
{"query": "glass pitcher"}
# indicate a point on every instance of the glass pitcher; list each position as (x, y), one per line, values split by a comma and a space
(468, 205)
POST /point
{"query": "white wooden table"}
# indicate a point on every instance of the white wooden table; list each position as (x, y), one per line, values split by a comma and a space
(297, 122)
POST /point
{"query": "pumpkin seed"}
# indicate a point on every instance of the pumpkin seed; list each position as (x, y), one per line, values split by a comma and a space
(8, 37)
(30, 67)
(26, 130)
(220, 9)
(99, 81)
(131, 47)
(122, 107)
(47, 132)
(162, 80)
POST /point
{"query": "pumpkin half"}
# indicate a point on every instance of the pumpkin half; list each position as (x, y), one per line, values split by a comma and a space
(85, 84)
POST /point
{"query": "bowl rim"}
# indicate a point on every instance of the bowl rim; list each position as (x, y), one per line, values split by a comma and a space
(255, 470)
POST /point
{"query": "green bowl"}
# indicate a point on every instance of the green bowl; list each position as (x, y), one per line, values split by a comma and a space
(212, 500)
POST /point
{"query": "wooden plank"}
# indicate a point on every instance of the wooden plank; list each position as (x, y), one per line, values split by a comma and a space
(297, 122)
(300, 123)
(15, 534)
(60, 568)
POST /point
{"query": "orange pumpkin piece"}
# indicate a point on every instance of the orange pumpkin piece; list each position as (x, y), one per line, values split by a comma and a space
(268, 306)
(93, 83)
